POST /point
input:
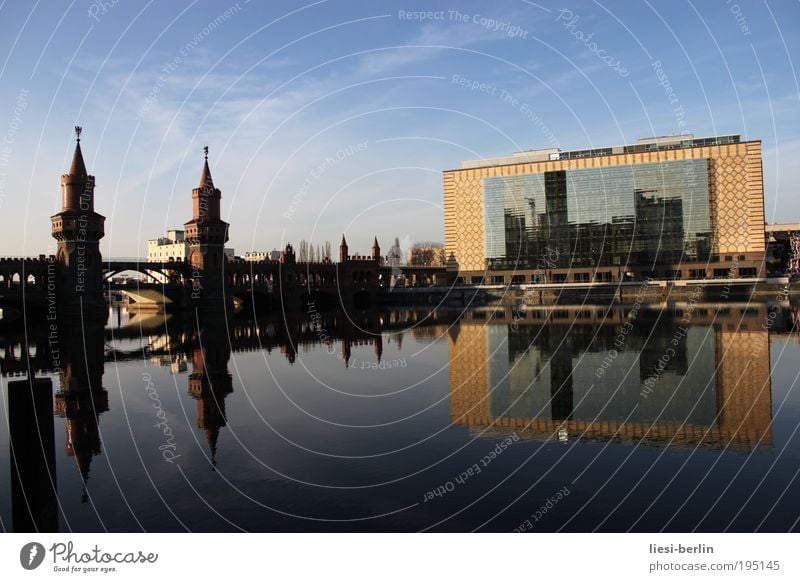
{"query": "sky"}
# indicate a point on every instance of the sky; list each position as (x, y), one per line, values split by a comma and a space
(338, 116)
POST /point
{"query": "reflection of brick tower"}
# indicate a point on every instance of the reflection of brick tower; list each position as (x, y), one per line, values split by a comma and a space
(78, 230)
(210, 383)
(81, 397)
(206, 234)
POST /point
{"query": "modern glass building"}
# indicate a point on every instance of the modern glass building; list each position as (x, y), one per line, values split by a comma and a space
(666, 208)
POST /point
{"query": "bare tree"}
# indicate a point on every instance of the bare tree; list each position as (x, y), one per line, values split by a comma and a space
(427, 254)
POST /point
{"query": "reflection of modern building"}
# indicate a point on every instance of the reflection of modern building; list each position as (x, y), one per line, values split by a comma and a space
(559, 382)
(675, 207)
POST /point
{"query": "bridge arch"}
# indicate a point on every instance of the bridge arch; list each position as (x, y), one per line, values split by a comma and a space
(159, 273)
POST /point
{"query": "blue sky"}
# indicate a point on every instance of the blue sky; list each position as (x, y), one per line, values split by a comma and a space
(338, 116)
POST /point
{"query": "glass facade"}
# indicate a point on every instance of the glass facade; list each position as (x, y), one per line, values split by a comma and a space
(655, 213)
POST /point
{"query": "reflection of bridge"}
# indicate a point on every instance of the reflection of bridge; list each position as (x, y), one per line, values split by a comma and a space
(77, 356)
(37, 349)
(78, 276)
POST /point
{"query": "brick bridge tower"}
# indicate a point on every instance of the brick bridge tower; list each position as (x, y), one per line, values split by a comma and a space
(206, 234)
(78, 230)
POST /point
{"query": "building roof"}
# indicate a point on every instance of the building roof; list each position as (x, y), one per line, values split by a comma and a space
(642, 145)
(205, 177)
(78, 167)
(788, 227)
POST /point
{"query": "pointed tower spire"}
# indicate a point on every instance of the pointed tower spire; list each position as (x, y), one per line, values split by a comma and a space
(78, 167)
(212, 436)
(343, 251)
(205, 177)
(376, 250)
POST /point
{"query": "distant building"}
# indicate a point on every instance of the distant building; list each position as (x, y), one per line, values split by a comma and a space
(675, 207)
(261, 256)
(783, 248)
(169, 248)
(173, 247)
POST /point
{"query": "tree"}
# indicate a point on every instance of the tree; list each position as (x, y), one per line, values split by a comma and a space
(427, 254)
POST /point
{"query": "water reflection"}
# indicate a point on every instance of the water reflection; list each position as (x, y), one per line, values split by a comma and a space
(678, 375)
(632, 376)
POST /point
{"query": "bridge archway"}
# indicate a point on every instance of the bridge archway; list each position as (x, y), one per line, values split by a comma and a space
(155, 273)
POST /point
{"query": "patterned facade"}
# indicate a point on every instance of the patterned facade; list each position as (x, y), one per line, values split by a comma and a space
(735, 202)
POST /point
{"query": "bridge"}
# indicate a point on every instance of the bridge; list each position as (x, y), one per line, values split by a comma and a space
(77, 277)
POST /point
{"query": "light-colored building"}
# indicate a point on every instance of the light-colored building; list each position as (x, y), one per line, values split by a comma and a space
(168, 248)
(257, 256)
(674, 207)
(173, 248)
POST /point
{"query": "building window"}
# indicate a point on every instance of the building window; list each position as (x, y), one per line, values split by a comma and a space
(538, 278)
(560, 278)
(604, 276)
(581, 277)
(697, 273)
(721, 273)
(518, 279)
(741, 257)
(477, 280)
(498, 279)
(728, 258)
(748, 272)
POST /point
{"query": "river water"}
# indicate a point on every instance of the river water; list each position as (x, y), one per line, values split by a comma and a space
(681, 417)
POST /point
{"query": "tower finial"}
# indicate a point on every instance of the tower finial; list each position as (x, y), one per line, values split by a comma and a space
(78, 130)
(205, 152)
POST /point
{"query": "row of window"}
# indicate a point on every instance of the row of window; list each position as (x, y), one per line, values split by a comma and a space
(608, 276)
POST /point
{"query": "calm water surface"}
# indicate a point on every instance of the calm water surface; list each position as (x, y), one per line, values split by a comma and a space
(569, 418)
